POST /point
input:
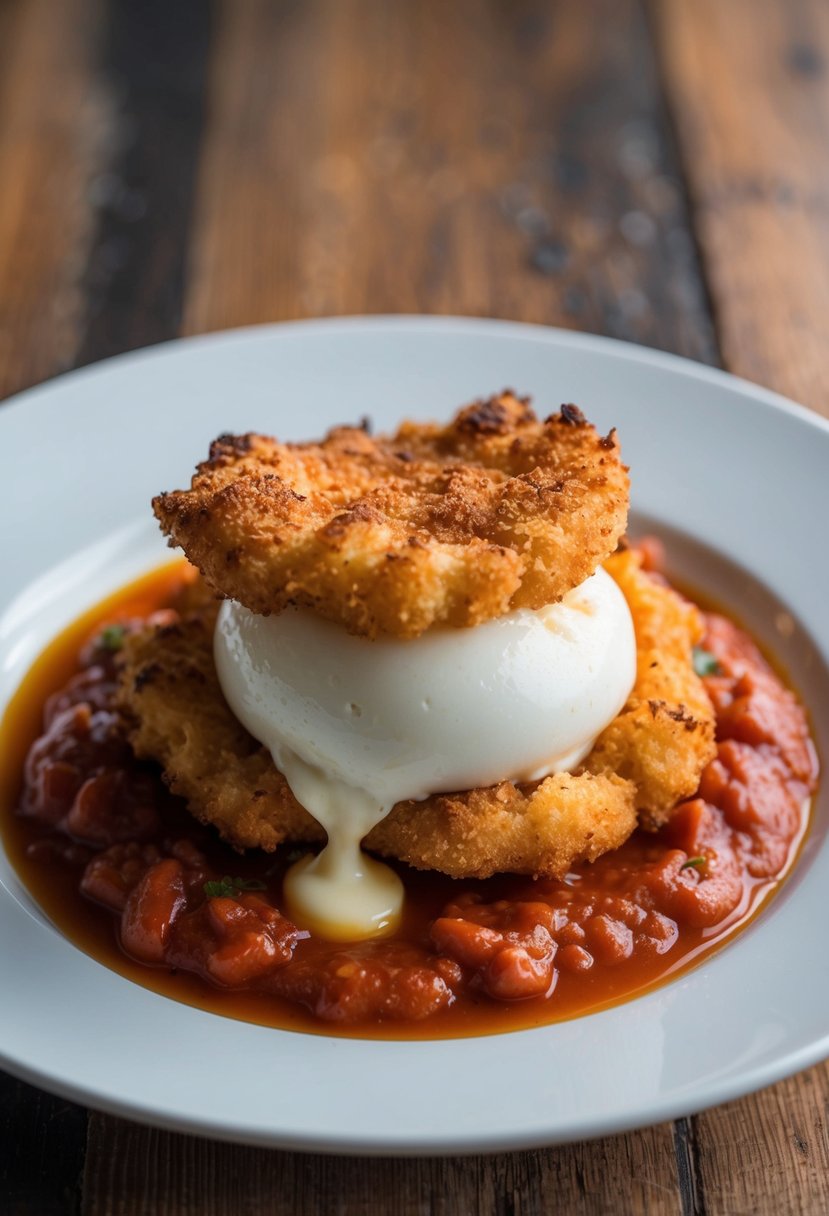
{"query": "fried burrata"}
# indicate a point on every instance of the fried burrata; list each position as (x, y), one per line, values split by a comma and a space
(434, 525)
(647, 760)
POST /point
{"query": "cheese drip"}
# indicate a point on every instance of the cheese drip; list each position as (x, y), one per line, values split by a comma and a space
(357, 726)
(342, 893)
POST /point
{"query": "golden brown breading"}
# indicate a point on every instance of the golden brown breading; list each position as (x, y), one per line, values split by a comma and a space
(170, 693)
(179, 717)
(543, 831)
(436, 524)
(664, 735)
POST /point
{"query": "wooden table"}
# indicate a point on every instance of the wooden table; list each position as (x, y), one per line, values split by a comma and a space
(659, 173)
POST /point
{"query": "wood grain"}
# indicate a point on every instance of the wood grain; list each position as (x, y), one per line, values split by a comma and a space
(478, 157)
(768, 1153)
(51, 135)
(487, 157)
(137, 1171)
(510, 160)
(42, 1145)
(151, 64)
(749, 84)
(52, 127)
(749, 80)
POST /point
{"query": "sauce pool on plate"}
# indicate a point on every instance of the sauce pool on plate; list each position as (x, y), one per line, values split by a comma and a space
(124, 872)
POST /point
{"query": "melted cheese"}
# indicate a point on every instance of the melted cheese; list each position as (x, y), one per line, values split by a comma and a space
(342, 893)
(357, 726)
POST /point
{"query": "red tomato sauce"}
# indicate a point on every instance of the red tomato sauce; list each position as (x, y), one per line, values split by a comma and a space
(123, 871)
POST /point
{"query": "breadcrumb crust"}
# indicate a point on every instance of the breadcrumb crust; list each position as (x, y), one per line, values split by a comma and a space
(434, 525)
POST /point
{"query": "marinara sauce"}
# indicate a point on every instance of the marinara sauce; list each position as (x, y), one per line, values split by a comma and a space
(125, 873)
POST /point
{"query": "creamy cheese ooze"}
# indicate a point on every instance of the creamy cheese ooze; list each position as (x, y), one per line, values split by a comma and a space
(357, 726)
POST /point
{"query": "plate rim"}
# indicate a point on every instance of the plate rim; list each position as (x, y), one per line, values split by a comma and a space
(632, 352)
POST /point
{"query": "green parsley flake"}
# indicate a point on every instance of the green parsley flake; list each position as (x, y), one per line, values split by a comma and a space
(228, 887)
(112, 638)
(695, 863)
(705, 663)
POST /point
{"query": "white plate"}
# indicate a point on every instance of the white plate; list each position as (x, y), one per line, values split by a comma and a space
(728, 464)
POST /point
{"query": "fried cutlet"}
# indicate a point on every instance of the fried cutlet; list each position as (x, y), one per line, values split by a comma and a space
(434, 525)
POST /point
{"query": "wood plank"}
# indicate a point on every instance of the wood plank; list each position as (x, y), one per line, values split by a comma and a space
(749, 85)
(100, 108)
(152, 67)
(42, 1144)
(138, 1171)
(473, 158)
(569, 208)
(749, 81)
(769, 1153)
(52, 127)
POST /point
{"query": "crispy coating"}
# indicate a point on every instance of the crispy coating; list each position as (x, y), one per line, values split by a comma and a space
(390, 535)
(170, 694)
(664, 735)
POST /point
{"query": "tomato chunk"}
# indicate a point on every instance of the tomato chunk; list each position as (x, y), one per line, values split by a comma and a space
(375, 981)
(233, 941)
(152, 907)
(110, 876)
(508, 946)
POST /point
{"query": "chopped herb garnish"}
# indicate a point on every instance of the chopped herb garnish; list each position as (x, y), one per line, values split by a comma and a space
(112, 638)
(705, 663)
(228, 887)
(695, 863)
